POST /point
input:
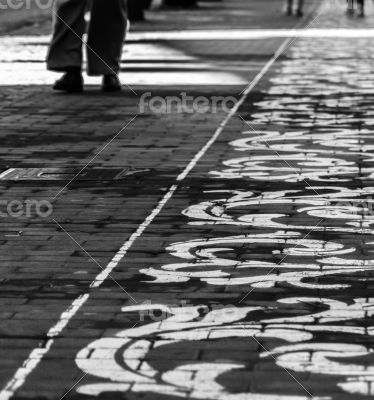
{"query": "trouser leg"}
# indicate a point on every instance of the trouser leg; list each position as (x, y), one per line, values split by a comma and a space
(106, 36)
(360, 7)
(65, 50)
(300, 5)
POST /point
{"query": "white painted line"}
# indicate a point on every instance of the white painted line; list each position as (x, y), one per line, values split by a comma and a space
(251, 34)
(128, 244)
(38, 353)
(235, 109)
(13, 75)
(215, 35)
(7, 172)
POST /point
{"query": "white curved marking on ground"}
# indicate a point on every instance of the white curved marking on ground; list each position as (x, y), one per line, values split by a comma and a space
(301, 354)
(29, 365)
(304, 352)
(346, 205)
(289, 168)
(205, 260)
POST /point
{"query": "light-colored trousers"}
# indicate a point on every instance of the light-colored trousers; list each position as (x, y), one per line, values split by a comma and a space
(106, 34)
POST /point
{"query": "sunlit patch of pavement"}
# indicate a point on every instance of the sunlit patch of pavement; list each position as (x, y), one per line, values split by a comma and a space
(22, 63)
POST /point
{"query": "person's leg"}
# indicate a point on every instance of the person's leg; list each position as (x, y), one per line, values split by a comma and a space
(300, 6)
(65, 51)
(106, 36)
(361, 8)
(289, 6)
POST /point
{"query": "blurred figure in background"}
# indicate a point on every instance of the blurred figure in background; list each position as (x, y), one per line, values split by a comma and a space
(106, 33)
(295, 4)
(360, 7)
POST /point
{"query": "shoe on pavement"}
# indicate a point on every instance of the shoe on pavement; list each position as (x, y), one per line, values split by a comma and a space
(299, 13)
(111, 83)
(71, 82)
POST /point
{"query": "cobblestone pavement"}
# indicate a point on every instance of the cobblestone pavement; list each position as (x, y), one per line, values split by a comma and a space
(187, 257)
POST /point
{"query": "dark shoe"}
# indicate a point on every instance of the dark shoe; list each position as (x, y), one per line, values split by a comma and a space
(299, 13)
(111, 83)
(289, 11)
(361, 13)
(71, 82)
